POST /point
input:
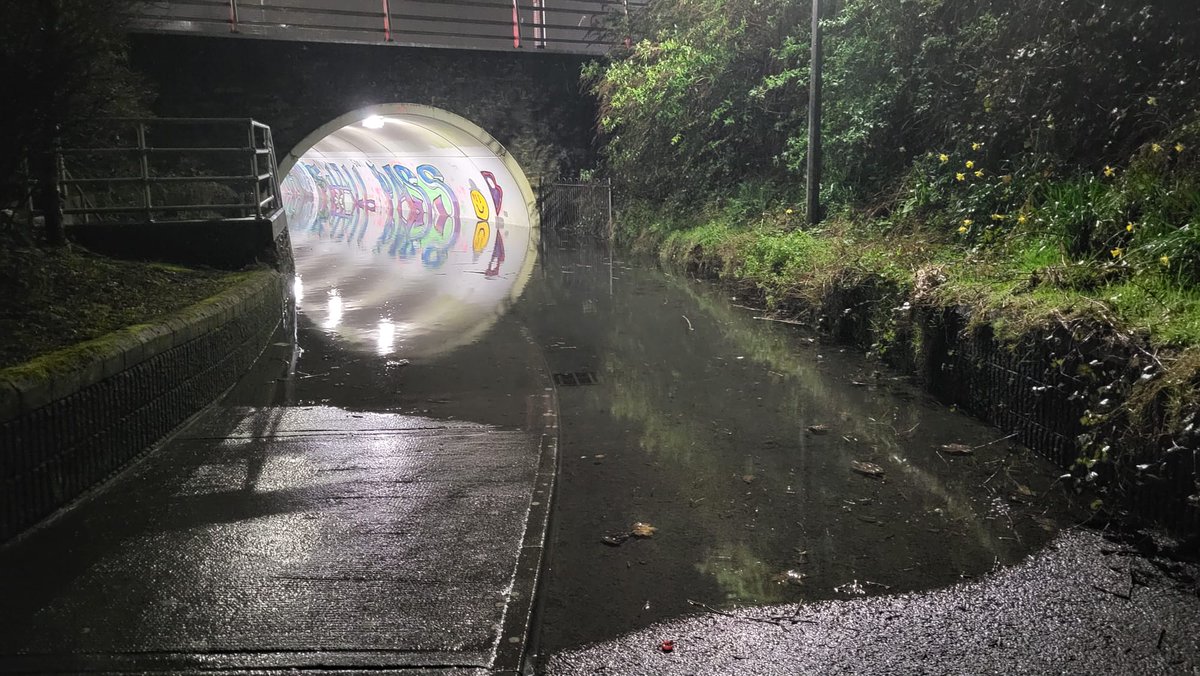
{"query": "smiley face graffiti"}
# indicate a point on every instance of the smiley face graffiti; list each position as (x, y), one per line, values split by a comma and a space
(479, 202)
(483, 233)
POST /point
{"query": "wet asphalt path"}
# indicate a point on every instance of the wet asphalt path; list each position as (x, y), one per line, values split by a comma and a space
(346, 510)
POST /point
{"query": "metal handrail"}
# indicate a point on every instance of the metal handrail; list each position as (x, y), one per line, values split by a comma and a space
(260, 180)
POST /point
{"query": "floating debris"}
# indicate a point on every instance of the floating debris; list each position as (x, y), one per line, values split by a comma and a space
(615, 539)
(748, 478)
(791, 577)
(867, 469)
(666, 646)
(957, 449)
(642, 530)
(818, 429)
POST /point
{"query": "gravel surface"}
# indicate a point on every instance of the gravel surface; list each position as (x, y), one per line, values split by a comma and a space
(1083, 605)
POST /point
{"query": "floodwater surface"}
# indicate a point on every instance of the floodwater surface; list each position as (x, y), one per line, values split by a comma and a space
(772, 467)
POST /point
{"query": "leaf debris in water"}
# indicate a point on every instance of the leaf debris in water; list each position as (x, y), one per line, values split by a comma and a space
(642, 530)
(818, 429)
(957, 449)
(867, 468)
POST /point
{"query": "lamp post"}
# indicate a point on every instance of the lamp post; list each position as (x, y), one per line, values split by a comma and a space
(814, 121)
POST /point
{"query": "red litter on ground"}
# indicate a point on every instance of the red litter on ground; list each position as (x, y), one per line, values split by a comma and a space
(666, 646)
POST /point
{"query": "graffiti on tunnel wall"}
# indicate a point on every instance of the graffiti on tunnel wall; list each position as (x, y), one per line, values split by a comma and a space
(408, 212)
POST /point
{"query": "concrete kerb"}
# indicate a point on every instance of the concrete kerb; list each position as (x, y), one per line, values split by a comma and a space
(46, 379)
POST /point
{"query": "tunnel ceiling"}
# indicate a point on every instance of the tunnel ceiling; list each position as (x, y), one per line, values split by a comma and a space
(412, 228)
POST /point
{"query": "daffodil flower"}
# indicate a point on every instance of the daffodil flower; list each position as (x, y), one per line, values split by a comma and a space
(789, 212)
(960, 176)
(1164, 261)
(998, 217)
(1022, 219)
(1116, 253)
(967, 222)
(976, 146)
(1129, 227)
(1152, 100)
(1155, 148)
(979, 174)
(1109, 171)
(970, 164)
(1179, 147)
(944, 158)
(962, 229)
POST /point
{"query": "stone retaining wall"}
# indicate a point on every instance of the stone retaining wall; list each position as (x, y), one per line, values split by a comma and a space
(73, 418)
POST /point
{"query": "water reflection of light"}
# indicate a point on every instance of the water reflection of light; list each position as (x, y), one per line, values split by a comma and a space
(298, 289)
(373, 122)
(335, 309)
(387, 337)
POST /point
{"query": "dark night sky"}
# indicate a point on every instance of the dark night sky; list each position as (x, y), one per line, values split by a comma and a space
(484, 24)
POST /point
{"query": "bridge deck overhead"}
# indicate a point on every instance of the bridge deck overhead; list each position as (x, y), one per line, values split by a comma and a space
(571, 26)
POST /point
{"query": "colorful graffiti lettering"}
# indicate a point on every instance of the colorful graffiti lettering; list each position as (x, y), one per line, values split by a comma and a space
(416, 212)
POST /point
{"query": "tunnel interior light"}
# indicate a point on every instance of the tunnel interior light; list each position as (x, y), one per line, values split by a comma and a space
(373, 122)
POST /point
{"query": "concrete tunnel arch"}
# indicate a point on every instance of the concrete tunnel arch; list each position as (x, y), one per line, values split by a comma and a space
(413, 229)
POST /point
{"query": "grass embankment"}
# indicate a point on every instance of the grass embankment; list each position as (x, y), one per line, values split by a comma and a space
(1017, 276)
(51, 299)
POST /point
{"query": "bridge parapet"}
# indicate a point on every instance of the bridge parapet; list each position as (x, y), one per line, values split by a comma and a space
(570, 26)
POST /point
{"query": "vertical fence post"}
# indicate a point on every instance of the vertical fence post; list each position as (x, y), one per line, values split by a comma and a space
(254, 172)
(516, 18)
(144, 162)
(539, 24)
(387, 21)
(233, 16)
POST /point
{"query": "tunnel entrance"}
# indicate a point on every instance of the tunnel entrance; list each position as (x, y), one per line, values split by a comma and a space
(413, 229)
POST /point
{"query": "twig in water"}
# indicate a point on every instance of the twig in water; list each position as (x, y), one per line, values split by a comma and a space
(995, 441)
(777, 623)
(689, 322)
(781, 321)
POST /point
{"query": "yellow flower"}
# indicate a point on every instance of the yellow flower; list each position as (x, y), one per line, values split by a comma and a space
(967, 222)
(1155, 148)
(962, 229)
(944, 158)
(970, 164)
(998, 217)
(1129, 227)
(1151, 100)
(1179, 147)
(1116, 253)
(1164, 261)
(789, 212)
(1022, 219)
(976, 146)
(960, 176)
(1109, 171)
(979, 174)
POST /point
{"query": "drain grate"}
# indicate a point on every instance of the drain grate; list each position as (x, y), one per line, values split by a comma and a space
(572, 379)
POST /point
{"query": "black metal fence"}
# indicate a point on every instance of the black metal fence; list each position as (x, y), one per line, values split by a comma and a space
(577, 207)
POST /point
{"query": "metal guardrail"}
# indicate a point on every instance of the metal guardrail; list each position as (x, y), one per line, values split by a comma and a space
(557, 25)
(243, 162)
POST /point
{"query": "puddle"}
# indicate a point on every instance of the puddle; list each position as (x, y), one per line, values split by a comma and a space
(774, 468)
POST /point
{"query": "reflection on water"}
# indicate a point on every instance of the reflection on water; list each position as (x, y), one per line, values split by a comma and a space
(416, 253)
(700, 426)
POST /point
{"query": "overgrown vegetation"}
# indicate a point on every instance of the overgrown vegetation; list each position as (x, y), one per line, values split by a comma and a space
(1037, 161)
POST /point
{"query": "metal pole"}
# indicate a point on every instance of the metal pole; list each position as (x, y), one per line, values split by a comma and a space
(145, 167)
(814, 120)
(254, 172)
(233, 16)
(387, 21)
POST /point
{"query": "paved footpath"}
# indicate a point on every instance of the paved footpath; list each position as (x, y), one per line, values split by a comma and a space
(338, 511)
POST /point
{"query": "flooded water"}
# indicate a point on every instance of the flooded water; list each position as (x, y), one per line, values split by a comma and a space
(736, 439)
(765, 465)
